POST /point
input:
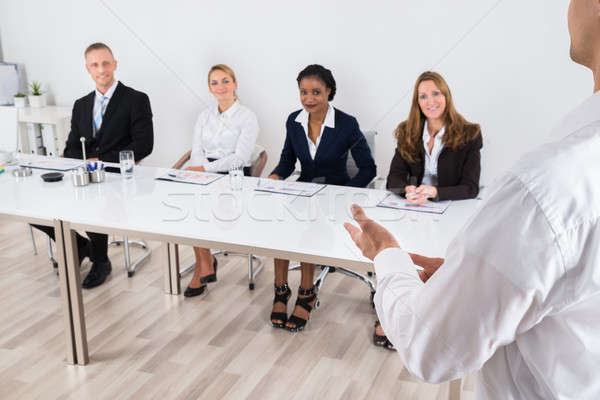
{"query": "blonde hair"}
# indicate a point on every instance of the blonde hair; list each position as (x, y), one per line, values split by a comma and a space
(409, 133)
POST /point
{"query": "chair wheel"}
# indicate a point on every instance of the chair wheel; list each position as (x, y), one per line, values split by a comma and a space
(130, 273)
(54, 264)
(370, 273)
(251, 286)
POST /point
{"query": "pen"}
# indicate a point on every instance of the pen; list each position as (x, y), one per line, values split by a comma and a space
(1, 170)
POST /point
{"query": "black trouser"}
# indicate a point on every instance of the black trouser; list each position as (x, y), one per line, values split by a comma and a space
(99, 242)
(246, 169)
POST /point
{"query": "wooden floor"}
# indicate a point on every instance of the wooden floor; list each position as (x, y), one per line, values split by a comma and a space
(145, 344)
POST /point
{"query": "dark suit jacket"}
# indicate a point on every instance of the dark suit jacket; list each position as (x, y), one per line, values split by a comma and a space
(126, 125)
(458, 171)
(332, 153)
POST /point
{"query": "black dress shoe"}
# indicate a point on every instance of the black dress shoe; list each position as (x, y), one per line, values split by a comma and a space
(212, 277)
(97, 275)
(191, 292)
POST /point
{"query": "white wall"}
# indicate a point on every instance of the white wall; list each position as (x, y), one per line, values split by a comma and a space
(506, 61)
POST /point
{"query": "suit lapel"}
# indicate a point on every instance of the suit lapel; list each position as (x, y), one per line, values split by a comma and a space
(111, 108)
(88, 116)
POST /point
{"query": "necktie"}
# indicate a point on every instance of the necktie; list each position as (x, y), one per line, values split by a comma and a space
(100, 114)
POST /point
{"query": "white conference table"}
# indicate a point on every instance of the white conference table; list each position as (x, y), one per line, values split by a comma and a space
(212, 216)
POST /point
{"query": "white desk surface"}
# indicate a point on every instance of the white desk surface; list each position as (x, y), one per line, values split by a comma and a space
(44, 115)
(305, 229)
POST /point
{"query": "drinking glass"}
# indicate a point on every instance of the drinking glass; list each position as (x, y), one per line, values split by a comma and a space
(127, 162)
(236, 173)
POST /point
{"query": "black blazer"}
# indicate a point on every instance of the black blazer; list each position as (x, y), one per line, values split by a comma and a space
(332, 153)
(458, 171)
(126, 125)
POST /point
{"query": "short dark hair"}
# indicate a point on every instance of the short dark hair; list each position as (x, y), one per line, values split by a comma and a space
(322, 73)
(97, 46)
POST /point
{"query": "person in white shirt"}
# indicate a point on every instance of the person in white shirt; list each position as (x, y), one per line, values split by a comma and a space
(437, 154)
(224, 137)
(518, 293)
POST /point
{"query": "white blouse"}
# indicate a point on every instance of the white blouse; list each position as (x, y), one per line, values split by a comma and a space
(430, 176)
(518, 294)
(302, 119)
(227, 137)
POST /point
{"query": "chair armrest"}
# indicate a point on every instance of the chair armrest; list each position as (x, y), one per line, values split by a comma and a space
(181, 162)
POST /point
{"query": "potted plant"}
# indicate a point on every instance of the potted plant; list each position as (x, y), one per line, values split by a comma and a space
(20, 100)
(37, 97)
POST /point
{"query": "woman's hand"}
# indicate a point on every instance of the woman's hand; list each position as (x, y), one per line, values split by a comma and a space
(274, 176)
(421, 194)
(197, 169)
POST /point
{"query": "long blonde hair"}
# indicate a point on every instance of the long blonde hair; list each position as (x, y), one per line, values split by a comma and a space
(409, 133)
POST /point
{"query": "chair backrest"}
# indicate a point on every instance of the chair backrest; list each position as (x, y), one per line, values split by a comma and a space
(350, 164)
(258, 160)
(8, 129)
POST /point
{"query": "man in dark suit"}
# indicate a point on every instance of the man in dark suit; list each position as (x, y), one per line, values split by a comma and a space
(112, 118)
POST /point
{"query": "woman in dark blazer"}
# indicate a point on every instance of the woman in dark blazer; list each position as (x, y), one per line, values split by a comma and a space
(438, 154)
(320, 137)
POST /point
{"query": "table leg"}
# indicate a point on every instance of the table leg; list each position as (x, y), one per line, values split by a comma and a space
(79, 330)
(455, 390)
(71, 357)
(173, 255)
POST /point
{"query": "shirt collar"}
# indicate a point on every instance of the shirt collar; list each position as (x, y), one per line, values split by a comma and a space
(229, 112)
(438, 137)
(109, 92)
(302, 118)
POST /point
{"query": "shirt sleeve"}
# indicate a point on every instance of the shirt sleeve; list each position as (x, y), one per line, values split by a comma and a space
(243, 148)
(198, 156)
(495, 283)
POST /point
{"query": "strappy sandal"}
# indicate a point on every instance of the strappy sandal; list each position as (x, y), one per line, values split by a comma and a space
(282, 295)
(382, 340)
(300, 323)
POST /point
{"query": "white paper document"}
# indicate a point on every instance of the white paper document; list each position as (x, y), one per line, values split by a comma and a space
(305, 189)
(53, 163)
(193, 177)
(400, 203)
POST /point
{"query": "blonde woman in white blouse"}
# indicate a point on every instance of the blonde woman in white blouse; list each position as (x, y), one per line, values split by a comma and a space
(223, 135)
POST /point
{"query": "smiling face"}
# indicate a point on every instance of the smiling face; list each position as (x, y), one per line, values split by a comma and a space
(222, 86)
(101, 66)
(314, 94)
(431, 100)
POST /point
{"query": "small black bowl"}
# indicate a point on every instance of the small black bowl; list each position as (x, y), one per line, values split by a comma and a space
(52, 177)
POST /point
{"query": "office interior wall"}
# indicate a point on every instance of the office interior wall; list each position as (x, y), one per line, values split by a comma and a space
(506, 61)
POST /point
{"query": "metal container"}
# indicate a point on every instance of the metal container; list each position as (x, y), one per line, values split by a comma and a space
(97, 176)
(22, 172)
(80, 177)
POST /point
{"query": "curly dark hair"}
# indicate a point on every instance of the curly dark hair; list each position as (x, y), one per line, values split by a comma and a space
(319, 71)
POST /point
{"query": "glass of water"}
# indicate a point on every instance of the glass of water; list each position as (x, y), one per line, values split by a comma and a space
(236, 174)
(127, 162)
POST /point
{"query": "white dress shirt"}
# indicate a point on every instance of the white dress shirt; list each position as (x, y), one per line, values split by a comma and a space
(518, 296)
(430, 175)
(329, 121)
(227, 137)
(98, 101)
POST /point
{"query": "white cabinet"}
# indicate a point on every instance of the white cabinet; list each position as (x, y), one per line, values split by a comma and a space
(53, 123)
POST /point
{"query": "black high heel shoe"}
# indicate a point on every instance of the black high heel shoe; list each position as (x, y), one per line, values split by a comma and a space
(282, 295)
(191, 292)
(300, 323)
(382, 341)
